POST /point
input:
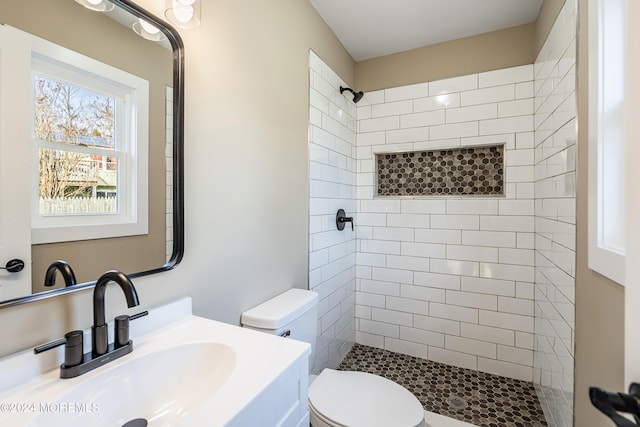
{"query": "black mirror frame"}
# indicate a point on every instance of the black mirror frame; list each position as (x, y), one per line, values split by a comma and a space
(178, 159)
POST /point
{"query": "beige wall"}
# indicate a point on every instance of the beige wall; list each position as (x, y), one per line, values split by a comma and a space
(485, 52)
(547, 17)
(599, 302)
(246, 174)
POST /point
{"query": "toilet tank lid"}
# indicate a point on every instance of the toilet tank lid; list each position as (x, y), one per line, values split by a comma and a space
(280, 310)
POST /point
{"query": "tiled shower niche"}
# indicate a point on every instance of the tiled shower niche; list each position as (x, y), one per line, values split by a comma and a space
(453, 171)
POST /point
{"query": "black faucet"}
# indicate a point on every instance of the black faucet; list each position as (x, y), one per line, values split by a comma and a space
(99, 332)
(75, 361)
(65, 270)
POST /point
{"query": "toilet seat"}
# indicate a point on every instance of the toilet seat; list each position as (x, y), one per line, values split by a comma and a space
(360, 399)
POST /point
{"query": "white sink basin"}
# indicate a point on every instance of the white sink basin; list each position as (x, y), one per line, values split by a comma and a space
(184, 370)
(160, 387)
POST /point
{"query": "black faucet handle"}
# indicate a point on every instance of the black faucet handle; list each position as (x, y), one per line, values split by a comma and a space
(48, 346)
(121, 331)
(73, 348)
(138, 315)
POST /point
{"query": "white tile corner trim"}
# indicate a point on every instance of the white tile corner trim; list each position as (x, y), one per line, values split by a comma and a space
(332, 186)
(555, 212)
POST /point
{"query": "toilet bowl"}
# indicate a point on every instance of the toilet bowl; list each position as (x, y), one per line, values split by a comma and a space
(336, 398)
(360, 399)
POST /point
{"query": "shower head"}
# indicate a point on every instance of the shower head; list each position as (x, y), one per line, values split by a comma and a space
(357, 96)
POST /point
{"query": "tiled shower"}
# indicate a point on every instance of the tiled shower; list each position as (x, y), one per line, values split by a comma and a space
(450, 279)
(481, 281)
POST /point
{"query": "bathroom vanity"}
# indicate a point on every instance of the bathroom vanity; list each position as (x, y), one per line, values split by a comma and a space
(184, 371)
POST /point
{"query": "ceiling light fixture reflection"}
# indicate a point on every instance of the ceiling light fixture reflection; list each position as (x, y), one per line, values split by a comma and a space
(183, 13)
(97, 5)
(147, 30)
(444, 99)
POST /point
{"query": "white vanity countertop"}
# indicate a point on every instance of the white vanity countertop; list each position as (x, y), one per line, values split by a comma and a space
(256, 361)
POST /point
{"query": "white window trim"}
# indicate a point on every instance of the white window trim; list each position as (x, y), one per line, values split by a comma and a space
(606, 201)
(133, 216)
(632, 290)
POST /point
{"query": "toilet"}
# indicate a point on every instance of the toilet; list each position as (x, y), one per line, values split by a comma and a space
(336, 398)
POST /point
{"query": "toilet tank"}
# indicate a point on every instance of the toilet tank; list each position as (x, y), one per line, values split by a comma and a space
(292, 314)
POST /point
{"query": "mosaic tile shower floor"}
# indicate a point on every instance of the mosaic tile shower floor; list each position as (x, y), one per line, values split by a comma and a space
(488, 400)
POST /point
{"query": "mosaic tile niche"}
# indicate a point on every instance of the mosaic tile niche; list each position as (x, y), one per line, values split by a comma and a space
(453, 171)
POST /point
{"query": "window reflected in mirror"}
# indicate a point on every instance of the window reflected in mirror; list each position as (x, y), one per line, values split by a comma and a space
(69, 116)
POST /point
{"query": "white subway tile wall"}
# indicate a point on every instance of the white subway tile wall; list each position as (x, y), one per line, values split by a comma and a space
(450, 279)
(332, 186)
(555, 154)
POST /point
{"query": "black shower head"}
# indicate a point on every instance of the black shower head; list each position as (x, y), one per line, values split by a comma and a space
(357, 96)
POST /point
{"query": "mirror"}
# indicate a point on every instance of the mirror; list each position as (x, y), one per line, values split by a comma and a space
(107, 39)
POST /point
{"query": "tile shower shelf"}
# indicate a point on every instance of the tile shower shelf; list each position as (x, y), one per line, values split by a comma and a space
(464, 171)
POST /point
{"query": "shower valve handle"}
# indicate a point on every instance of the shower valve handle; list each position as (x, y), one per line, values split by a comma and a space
(341, 218)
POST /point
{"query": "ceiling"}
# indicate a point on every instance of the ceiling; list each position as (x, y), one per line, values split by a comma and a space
(372, 28)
